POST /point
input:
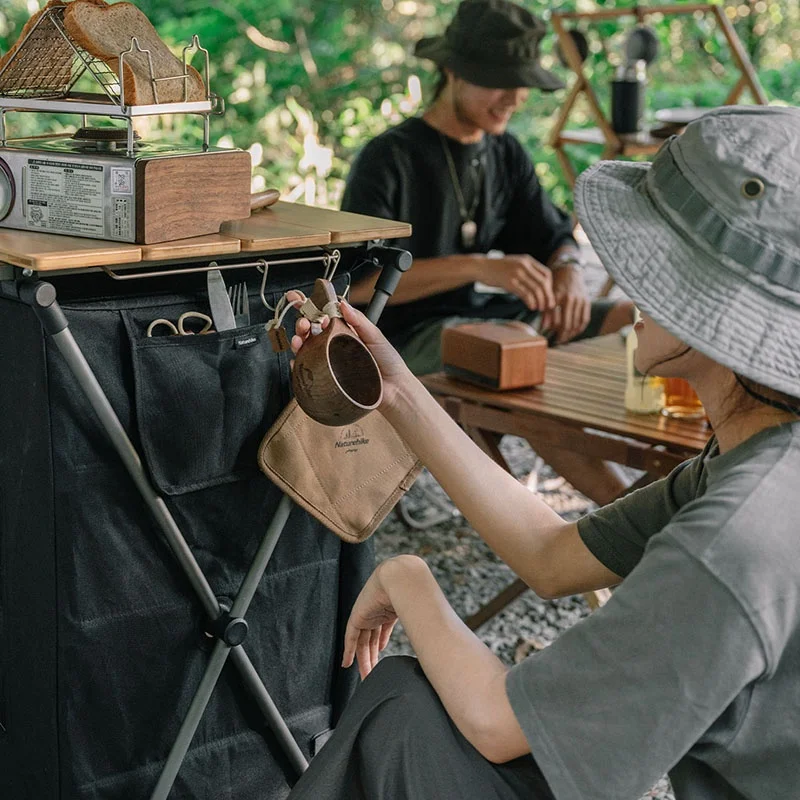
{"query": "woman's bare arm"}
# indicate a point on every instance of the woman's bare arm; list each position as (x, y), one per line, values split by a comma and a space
(546, 552)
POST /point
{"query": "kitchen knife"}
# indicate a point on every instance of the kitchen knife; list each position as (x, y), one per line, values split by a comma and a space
(221, 309)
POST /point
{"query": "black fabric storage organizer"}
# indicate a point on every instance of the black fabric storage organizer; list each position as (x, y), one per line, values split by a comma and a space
(101, 638)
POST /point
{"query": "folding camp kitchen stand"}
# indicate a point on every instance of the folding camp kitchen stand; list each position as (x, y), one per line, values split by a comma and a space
(228, 626)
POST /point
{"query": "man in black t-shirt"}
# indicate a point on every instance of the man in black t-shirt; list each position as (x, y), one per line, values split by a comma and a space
(487, 241)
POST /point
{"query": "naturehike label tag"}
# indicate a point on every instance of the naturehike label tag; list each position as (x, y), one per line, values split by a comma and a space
(245, 341)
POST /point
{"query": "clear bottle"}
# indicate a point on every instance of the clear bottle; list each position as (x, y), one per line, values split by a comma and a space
(644, 394)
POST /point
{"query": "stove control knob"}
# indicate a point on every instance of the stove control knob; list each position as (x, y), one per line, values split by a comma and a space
(8, 190)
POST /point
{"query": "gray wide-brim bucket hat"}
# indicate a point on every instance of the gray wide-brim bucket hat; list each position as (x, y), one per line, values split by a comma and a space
(494, 44)
(706, 239)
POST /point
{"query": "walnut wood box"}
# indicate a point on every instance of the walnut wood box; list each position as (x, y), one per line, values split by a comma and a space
(190, 195)
(494, 355)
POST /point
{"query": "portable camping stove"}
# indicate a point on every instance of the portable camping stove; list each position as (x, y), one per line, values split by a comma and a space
(101, 182)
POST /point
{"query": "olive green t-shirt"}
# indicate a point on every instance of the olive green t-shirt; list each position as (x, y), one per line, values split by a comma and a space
(693, 666)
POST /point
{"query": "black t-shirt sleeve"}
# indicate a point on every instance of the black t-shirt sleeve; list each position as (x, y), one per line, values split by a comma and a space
(533, 224)
(373, 183)
(374, 188)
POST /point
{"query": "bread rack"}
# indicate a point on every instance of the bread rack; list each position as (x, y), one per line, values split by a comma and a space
(28, 81)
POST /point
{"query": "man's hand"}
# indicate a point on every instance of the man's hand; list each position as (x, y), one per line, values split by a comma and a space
(573, 307)
(521, 275)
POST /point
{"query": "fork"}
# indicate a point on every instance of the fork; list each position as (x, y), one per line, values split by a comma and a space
(241, 304)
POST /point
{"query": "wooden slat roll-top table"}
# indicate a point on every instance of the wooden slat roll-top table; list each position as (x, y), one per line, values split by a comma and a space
(581, 399)
(284, 226)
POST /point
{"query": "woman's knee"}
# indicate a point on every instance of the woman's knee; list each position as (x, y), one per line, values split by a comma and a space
(410, 710)
(394, 676)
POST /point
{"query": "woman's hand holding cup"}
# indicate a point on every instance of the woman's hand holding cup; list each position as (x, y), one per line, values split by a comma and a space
(391, 365)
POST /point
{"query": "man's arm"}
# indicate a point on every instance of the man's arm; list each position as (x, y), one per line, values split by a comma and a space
(573, 307)
(427, 277)
(521, 275)
(536, 226)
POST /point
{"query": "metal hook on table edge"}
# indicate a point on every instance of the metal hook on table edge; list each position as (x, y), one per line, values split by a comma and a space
(264, 267)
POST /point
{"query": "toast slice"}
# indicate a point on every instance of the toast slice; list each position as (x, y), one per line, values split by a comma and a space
(51, 75)
(105, 31)
(55, 73)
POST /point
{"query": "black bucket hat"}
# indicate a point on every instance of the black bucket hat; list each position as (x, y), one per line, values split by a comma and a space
(492, 43)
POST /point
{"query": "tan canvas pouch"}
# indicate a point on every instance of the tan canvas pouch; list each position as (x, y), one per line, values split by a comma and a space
(349, 478)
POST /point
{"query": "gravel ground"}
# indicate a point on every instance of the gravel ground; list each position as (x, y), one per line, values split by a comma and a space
(469, 572)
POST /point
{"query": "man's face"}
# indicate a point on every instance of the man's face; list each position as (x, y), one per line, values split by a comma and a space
(487, 109)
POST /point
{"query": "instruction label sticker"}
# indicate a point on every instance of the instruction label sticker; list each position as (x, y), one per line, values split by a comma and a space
(121, 220)
(66, 197)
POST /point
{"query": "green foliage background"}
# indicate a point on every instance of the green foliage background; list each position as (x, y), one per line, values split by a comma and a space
(307, 83)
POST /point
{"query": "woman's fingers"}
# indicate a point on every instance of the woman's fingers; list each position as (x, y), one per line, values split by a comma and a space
(368, 652)
(365, 329)
(350, 644)
(361, 645)
(364, 653)
(374, 647)
(303, 329)
(386, 632)
(366, 645)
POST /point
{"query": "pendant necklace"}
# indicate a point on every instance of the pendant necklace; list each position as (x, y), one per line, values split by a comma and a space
(469, 228)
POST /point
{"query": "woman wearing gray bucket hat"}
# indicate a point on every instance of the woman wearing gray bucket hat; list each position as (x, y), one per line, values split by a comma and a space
(693, 666)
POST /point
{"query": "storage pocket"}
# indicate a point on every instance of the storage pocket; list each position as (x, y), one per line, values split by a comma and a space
(203, 403)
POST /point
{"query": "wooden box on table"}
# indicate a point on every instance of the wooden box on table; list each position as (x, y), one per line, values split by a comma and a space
(494, 355)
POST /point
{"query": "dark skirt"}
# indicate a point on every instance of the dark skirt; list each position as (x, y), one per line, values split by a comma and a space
(395, 741)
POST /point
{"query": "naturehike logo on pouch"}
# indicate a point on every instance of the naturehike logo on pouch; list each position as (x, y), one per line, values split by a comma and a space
(245, 341)
(352, 437)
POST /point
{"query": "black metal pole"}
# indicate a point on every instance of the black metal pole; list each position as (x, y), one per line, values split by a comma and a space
(394, 263)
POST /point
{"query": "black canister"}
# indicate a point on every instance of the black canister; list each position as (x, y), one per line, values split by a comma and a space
(627, 97)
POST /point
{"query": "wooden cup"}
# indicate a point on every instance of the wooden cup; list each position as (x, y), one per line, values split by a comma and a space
(336, 380)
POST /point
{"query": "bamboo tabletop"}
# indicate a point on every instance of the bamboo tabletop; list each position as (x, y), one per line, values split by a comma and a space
(213, 244)
(344, 226)
(264, 231)
(47, 251)
(584, 388)
(283, 226)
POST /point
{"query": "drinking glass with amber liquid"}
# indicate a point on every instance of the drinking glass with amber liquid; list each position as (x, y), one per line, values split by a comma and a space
(680, 400)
